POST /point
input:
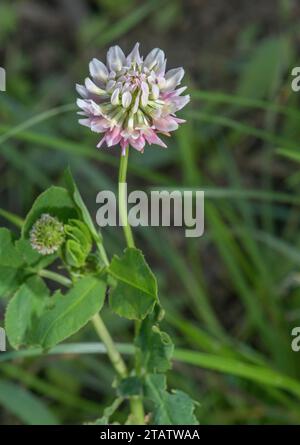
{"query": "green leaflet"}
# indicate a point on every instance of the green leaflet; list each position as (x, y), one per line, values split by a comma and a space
(86, 217)
(70, 312)
(9, 255)
(10, 279)
(78, 244)
(11, 262)
(175, 408)
(55, 201)
(156, 346)
(34, 319)
(23, 311)
(136, 292)
(31, 257)
(130, 386)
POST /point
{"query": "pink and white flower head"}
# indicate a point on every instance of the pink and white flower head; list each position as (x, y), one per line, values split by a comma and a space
(130, 100)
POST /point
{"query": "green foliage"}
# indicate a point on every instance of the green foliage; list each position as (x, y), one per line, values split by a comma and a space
(223, 292)
(25, 405)
(34, 319)
(175, 408)
(156, 346)
(31, 257)
(9, 255)
(11, 263)
(78, 243)
(108, 412)
(130, 386)
(55, 201)
(24, 311)
(80, 205)
(10, 279)
(70, 312)
(136, 291)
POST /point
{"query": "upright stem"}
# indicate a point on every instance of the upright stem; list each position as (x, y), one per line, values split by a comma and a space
(123, 200)
(136, 402)
(113, 353)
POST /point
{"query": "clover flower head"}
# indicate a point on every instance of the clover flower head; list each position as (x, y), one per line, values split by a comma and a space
(131, 100)
(47, 234)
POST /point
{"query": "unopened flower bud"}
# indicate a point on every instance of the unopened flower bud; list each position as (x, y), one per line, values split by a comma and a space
(47, 234)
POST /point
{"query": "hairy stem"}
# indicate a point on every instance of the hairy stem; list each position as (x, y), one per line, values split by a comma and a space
(137, 408)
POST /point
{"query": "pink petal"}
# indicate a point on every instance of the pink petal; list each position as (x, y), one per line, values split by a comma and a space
(165, 124)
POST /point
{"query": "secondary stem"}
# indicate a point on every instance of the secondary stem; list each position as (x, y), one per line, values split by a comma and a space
(136, 402)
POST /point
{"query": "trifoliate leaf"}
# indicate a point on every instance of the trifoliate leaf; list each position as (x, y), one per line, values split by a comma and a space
(136, 292)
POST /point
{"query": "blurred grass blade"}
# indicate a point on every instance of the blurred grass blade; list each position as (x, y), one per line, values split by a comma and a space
(242, 128)
(36, 120)
(11, 217)
(25, 405)
(238, 368)
(220, 97)
(75, 149)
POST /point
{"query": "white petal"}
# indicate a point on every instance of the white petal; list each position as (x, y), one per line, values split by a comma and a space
(85, 122)
(162, 69)
(110, 85)
(82, 91)
(155, 59)
(134, 56)
(98, 70)
(173, 78)
(126, 99)
(115, 100)
(136, 103)
(92, 88)
(115, 58)
(155, 91)
(180, 90)
(82, 104)
(145, 94)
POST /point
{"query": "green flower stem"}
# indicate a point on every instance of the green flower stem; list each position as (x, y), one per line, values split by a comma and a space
(113, 353)
(122, 200)
(102, 252)
(136, 402)
(55, 277)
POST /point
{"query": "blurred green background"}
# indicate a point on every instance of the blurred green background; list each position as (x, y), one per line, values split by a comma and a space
(232, 297)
